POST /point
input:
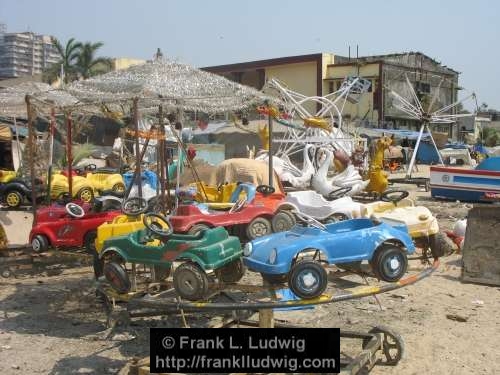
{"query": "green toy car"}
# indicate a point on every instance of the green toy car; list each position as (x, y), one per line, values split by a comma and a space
(198, 258)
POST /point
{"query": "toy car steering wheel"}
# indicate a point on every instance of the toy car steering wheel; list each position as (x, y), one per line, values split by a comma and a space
(399, 195)
(309, 220)
(265, 189)
(90, 167)
(75, 210)
(238, 205)
(158, 224)
(134, 206)
(339, 193)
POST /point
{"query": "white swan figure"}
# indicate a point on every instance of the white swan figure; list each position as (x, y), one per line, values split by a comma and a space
(349, 177)
(302, 181)
(290, 173)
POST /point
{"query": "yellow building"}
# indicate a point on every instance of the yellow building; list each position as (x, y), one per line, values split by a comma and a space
(124, 62)
(322, 73)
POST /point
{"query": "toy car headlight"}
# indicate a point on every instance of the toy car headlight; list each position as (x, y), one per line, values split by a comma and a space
(247, 249)
(272, 256)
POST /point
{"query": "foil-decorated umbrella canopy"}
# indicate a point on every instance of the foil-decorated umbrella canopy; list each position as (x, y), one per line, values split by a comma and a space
(175, 84)
(13, 99)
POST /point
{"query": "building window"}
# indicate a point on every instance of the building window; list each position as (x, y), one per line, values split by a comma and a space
(330, 87)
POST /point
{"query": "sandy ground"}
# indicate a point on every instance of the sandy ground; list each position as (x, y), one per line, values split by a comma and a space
(53, 325)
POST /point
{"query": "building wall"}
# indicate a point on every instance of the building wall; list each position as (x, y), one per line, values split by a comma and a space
(123, 63)
(299, 77)
(25, 54)
(362, 106)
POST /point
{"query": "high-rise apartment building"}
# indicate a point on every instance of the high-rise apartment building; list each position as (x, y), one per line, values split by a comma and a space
(25, 53)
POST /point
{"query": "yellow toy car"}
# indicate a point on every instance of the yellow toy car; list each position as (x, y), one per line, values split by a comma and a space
(7, 176)
(87, 183)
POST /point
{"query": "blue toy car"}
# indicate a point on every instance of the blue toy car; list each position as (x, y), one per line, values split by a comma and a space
(296, 255)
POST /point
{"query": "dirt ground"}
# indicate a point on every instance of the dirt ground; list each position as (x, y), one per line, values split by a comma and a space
(53, 324)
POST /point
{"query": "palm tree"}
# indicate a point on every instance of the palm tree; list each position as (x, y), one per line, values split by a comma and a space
(68, 56)
(87, 64)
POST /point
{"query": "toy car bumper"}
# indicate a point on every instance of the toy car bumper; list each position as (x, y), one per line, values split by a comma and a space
(265, 267)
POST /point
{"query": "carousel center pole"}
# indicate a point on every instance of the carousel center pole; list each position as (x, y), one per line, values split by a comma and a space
(31, 144)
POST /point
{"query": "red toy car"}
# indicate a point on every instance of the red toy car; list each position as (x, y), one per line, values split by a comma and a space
(254, 215)
(67, 225)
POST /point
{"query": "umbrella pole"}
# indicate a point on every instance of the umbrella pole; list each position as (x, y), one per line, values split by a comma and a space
(19, 156)
(31, 144)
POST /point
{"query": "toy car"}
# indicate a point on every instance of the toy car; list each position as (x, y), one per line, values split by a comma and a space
(296, 255)
(210, 251)
(252, 213)
(394, 207)
(67, 225)
(86, 183)
(15, 191)
(6, 175)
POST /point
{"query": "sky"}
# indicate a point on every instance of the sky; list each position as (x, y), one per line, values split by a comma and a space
(461, 34)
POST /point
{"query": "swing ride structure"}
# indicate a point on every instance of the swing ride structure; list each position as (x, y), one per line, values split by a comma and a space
(427, 116)
(324, 127)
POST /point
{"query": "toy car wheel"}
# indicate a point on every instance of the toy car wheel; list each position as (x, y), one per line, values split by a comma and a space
(258, 227)
(393, 345)
(232, 272)
(389, 263)
(307, 279)
(39, 243)
(13, 199)
(89, 241)
(274, 279)
(118, 187)
(85, 194)
(440, 245)
(265, 189)
(117, 276)
(190, 282)
(197, 228)
(283, 221)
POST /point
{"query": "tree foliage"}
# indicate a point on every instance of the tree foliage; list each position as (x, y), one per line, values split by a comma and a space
(79, 60)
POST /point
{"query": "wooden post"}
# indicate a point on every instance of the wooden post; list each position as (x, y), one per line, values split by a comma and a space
(69, 152)
(31, 145)
(270, 146)
(138, 158)
(266, 318)
(161, 158)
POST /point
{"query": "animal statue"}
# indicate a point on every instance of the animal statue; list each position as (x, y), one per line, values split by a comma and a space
(376, 174)
(349, 177)
(287, 172)
(263, 133)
